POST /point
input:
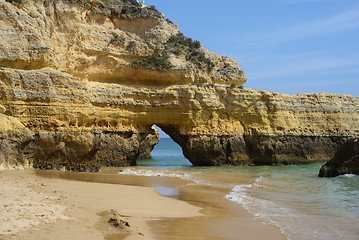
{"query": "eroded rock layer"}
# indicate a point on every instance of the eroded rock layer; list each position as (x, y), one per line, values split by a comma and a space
(100, 41)
(85, 82)
(71, 120)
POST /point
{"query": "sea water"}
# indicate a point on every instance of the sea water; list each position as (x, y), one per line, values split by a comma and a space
(292, 197)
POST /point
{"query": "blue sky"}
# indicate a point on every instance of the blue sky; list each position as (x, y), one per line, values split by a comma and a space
(287, 46)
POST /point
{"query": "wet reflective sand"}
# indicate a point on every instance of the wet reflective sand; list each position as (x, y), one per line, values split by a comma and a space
(222, 218)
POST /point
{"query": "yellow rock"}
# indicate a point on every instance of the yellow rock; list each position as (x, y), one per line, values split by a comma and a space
(9, 123)
(76, 99)
(2, 109)
(231, 125)
(99, 46)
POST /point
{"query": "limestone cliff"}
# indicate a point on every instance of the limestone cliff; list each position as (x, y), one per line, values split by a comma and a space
(85, 81)
(99, 41)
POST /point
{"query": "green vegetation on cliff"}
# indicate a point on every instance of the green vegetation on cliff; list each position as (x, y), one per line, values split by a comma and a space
(125, 8)
(155, 61)
(179, 41)
(179, 44)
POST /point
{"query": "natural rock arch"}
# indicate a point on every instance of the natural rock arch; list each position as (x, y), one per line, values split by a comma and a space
(83, 85)
(91, 124)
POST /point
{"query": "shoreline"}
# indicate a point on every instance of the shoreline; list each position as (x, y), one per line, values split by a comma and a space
(85, 203)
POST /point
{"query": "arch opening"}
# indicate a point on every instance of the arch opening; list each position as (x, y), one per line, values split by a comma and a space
(166, 153)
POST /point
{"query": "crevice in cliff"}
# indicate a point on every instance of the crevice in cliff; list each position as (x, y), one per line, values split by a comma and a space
(23, 65)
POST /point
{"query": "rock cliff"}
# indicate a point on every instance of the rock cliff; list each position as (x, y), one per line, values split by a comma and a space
(101, 40)
(345, 160)
(83, 83)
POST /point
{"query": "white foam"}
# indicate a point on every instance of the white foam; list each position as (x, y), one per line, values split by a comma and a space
(259, 179)
(292, 223)
(151, 172)
(161, 173)
(264, 210)
(348, 175)
(239, 194)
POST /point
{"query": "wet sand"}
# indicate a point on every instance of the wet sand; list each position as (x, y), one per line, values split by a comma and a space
(66, 205)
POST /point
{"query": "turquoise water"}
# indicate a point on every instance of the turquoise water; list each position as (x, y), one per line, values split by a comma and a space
(165, 154)
(293, 198)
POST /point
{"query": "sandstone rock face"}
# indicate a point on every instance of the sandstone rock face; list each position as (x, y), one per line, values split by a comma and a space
(62, 128)
(111, 124)
(345, 160)
(95, 42)
(83, 103)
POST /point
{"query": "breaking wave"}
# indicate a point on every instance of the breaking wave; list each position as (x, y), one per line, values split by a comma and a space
(294, 224)
(161, 173)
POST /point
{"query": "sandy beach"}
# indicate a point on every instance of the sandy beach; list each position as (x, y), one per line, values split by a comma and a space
(52, 205)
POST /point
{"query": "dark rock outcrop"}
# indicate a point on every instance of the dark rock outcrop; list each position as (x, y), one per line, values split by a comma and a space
(75, 151)
(345, 160)
(147, 144)
(216, 150)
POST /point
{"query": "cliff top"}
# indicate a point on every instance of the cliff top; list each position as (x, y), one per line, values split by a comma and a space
(117, 41)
